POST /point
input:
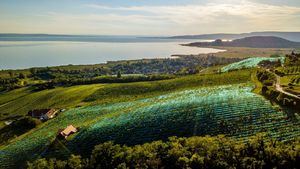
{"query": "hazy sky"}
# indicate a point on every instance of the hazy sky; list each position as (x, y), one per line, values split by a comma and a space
(151, 17)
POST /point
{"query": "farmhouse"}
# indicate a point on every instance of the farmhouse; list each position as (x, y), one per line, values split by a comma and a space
(8, 122)
(68, 131)
(43, 114)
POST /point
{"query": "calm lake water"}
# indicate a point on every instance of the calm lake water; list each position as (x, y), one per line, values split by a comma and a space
(25, 54)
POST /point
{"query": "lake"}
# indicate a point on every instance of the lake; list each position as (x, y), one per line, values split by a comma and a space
(48, 52)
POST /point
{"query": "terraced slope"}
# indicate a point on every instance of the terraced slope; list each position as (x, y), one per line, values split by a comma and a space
(249, 63)
(232, 110)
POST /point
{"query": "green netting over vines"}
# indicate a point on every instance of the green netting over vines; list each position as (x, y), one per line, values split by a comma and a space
(232, 110)
(249, 63)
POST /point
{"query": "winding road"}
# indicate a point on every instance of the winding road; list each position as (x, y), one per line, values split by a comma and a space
(279, 88)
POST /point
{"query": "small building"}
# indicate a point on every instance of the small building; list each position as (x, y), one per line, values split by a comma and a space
(43, 114)
(9, 122)
(68, 131)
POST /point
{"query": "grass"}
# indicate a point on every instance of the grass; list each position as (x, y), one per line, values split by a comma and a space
(6, 97)
(133, 91)
(258, 84)
(232, 110)
(285, 80)
(290, 80)
(20, 101)
(211, 69)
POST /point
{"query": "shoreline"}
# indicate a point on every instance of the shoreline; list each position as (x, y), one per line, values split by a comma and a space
(56, 54)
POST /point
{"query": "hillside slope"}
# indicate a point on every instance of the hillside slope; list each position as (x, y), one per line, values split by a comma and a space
(232, 110)
(292, 36)
(249, 63)
(20, 101)
(252, 42)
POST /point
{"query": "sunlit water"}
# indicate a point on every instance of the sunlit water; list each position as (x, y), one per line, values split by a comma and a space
(25, 54)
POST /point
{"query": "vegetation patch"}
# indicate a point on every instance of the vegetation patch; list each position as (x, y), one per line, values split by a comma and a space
(249, 63)
(18, 102)
(123, 92)
(232, 110)
(194, 152)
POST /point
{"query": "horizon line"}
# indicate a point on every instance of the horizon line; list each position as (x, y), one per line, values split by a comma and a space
(58, 34)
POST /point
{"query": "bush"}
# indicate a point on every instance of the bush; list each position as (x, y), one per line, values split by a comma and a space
(17, 128)
(194, 152)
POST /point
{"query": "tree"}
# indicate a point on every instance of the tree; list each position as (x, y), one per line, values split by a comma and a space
(33, 71)
(11, 74)
(119, 74)
(22, 76)
(75, 162)
(103, 155)
(41, 164)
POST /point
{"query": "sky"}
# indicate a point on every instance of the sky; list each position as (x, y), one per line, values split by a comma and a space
(148, 17)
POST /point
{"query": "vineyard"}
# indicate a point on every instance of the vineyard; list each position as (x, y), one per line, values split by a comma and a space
(18, 102)
(292, 70)
(296, 79)
(290, 75)
(232, 110)
(288, 70)
(249, 63)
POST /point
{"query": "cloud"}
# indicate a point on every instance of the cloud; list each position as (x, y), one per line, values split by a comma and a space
(230, 14)
(211, 17)
(241, 8)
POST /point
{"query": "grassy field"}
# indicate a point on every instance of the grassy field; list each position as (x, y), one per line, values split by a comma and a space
(20, 101)
(132, 91)
(232, 110)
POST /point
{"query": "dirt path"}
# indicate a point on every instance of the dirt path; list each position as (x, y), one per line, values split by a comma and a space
(279, 88)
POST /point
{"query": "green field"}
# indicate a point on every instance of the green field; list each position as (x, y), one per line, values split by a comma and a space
(20, 101)
(232, 110)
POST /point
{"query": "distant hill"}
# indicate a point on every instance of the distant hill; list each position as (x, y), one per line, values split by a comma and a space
(292, 36)
(252, 42)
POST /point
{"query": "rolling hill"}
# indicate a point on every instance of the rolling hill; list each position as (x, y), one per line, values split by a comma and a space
(232, 110)
(142, 112)
(292, 36)
(252, 42)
